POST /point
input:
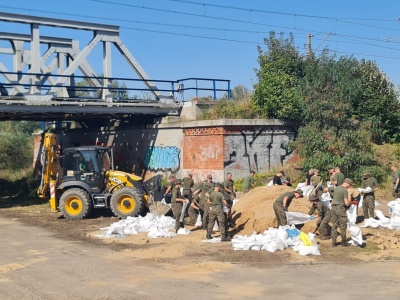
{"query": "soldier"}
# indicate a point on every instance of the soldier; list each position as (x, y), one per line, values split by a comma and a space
(187, 184)
(177, 203)
(341, 199)
(167, 194)
(324, 216)
(338, 178)
(216, 202)
(396, 181)
(194, 208)
(248, 182)
(368, 204)
(331, 175)
(315, 179)
(207, 188)
(282, 203)
(229, 188)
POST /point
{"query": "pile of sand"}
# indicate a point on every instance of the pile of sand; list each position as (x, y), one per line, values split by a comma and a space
(254, 211)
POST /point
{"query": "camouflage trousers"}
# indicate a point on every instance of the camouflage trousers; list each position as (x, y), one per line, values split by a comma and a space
(206, 215)
(280, 214)
(177, 211)
(216, 213)
(368, 206)
(193, 213)
(339, 220)
(322, 224)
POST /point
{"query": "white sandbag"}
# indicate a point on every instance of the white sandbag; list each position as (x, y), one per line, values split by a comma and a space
(307, 189)
(271, 183)
(296, 218)
(199, 222)
(183, 231)
(309, 250)
(381, 216)
(216, 227)
(301, 184)
(371, 222)
(352, 214)
(183, 211)
(355, 234)
(282, 234)
(271, 247)
(365, 191)
(326, 197)
(213, 240)
(225, 209)
(236, 200)
(360, 203)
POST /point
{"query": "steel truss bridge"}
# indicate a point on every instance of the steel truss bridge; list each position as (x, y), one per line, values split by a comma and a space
(59, 84)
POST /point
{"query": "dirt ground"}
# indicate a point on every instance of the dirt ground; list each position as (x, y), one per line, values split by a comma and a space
(189, 249)
(42, 251)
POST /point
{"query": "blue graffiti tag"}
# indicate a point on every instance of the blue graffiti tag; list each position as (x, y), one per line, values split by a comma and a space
(162, 158)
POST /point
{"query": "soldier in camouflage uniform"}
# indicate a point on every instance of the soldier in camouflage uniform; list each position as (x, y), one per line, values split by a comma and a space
(248, 182)
(340, 200)
(368, 204)
(229, 189)
(168, 192)
(282, 203)
(324, 216)
(216, 202)
(187, 184)
(194, 208)
(208, 187)
(177, 203)
(338, 177)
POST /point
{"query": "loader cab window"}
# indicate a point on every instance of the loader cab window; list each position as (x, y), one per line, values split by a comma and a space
(89, 168)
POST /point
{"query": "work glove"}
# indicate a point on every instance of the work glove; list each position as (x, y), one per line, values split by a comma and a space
(312, 218)
(285, 208)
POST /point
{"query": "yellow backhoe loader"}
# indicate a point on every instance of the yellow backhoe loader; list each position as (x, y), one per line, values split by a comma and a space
(82, 179)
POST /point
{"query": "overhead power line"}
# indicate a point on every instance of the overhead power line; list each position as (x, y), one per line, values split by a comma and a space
(348, 37)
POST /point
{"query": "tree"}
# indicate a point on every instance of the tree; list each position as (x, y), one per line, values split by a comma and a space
(277, 92)
(239, 92)
(118, 90)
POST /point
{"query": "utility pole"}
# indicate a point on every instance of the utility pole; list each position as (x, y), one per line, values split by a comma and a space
(309, 50)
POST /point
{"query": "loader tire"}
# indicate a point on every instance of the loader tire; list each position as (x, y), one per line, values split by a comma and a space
(126, 202)
(75, 204)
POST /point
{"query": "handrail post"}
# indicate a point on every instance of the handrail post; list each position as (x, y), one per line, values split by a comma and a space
(215, 92)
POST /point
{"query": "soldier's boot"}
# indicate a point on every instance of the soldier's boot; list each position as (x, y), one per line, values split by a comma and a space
(345, 244)
(208, 236)
(334, 244)
(225, 238)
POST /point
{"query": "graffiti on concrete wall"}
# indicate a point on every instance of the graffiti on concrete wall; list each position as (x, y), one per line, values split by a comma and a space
(162, 158)
(208, 152)
(257, 149)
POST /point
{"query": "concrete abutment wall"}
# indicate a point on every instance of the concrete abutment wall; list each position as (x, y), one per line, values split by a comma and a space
(213, 147)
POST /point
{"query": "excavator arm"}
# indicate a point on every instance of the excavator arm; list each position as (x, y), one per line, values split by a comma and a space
(51, 170)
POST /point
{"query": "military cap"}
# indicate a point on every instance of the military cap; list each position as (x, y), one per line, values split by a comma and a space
(299, 191)
(349, 181)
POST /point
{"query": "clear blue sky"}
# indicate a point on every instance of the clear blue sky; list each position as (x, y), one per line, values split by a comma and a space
(175, 39)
